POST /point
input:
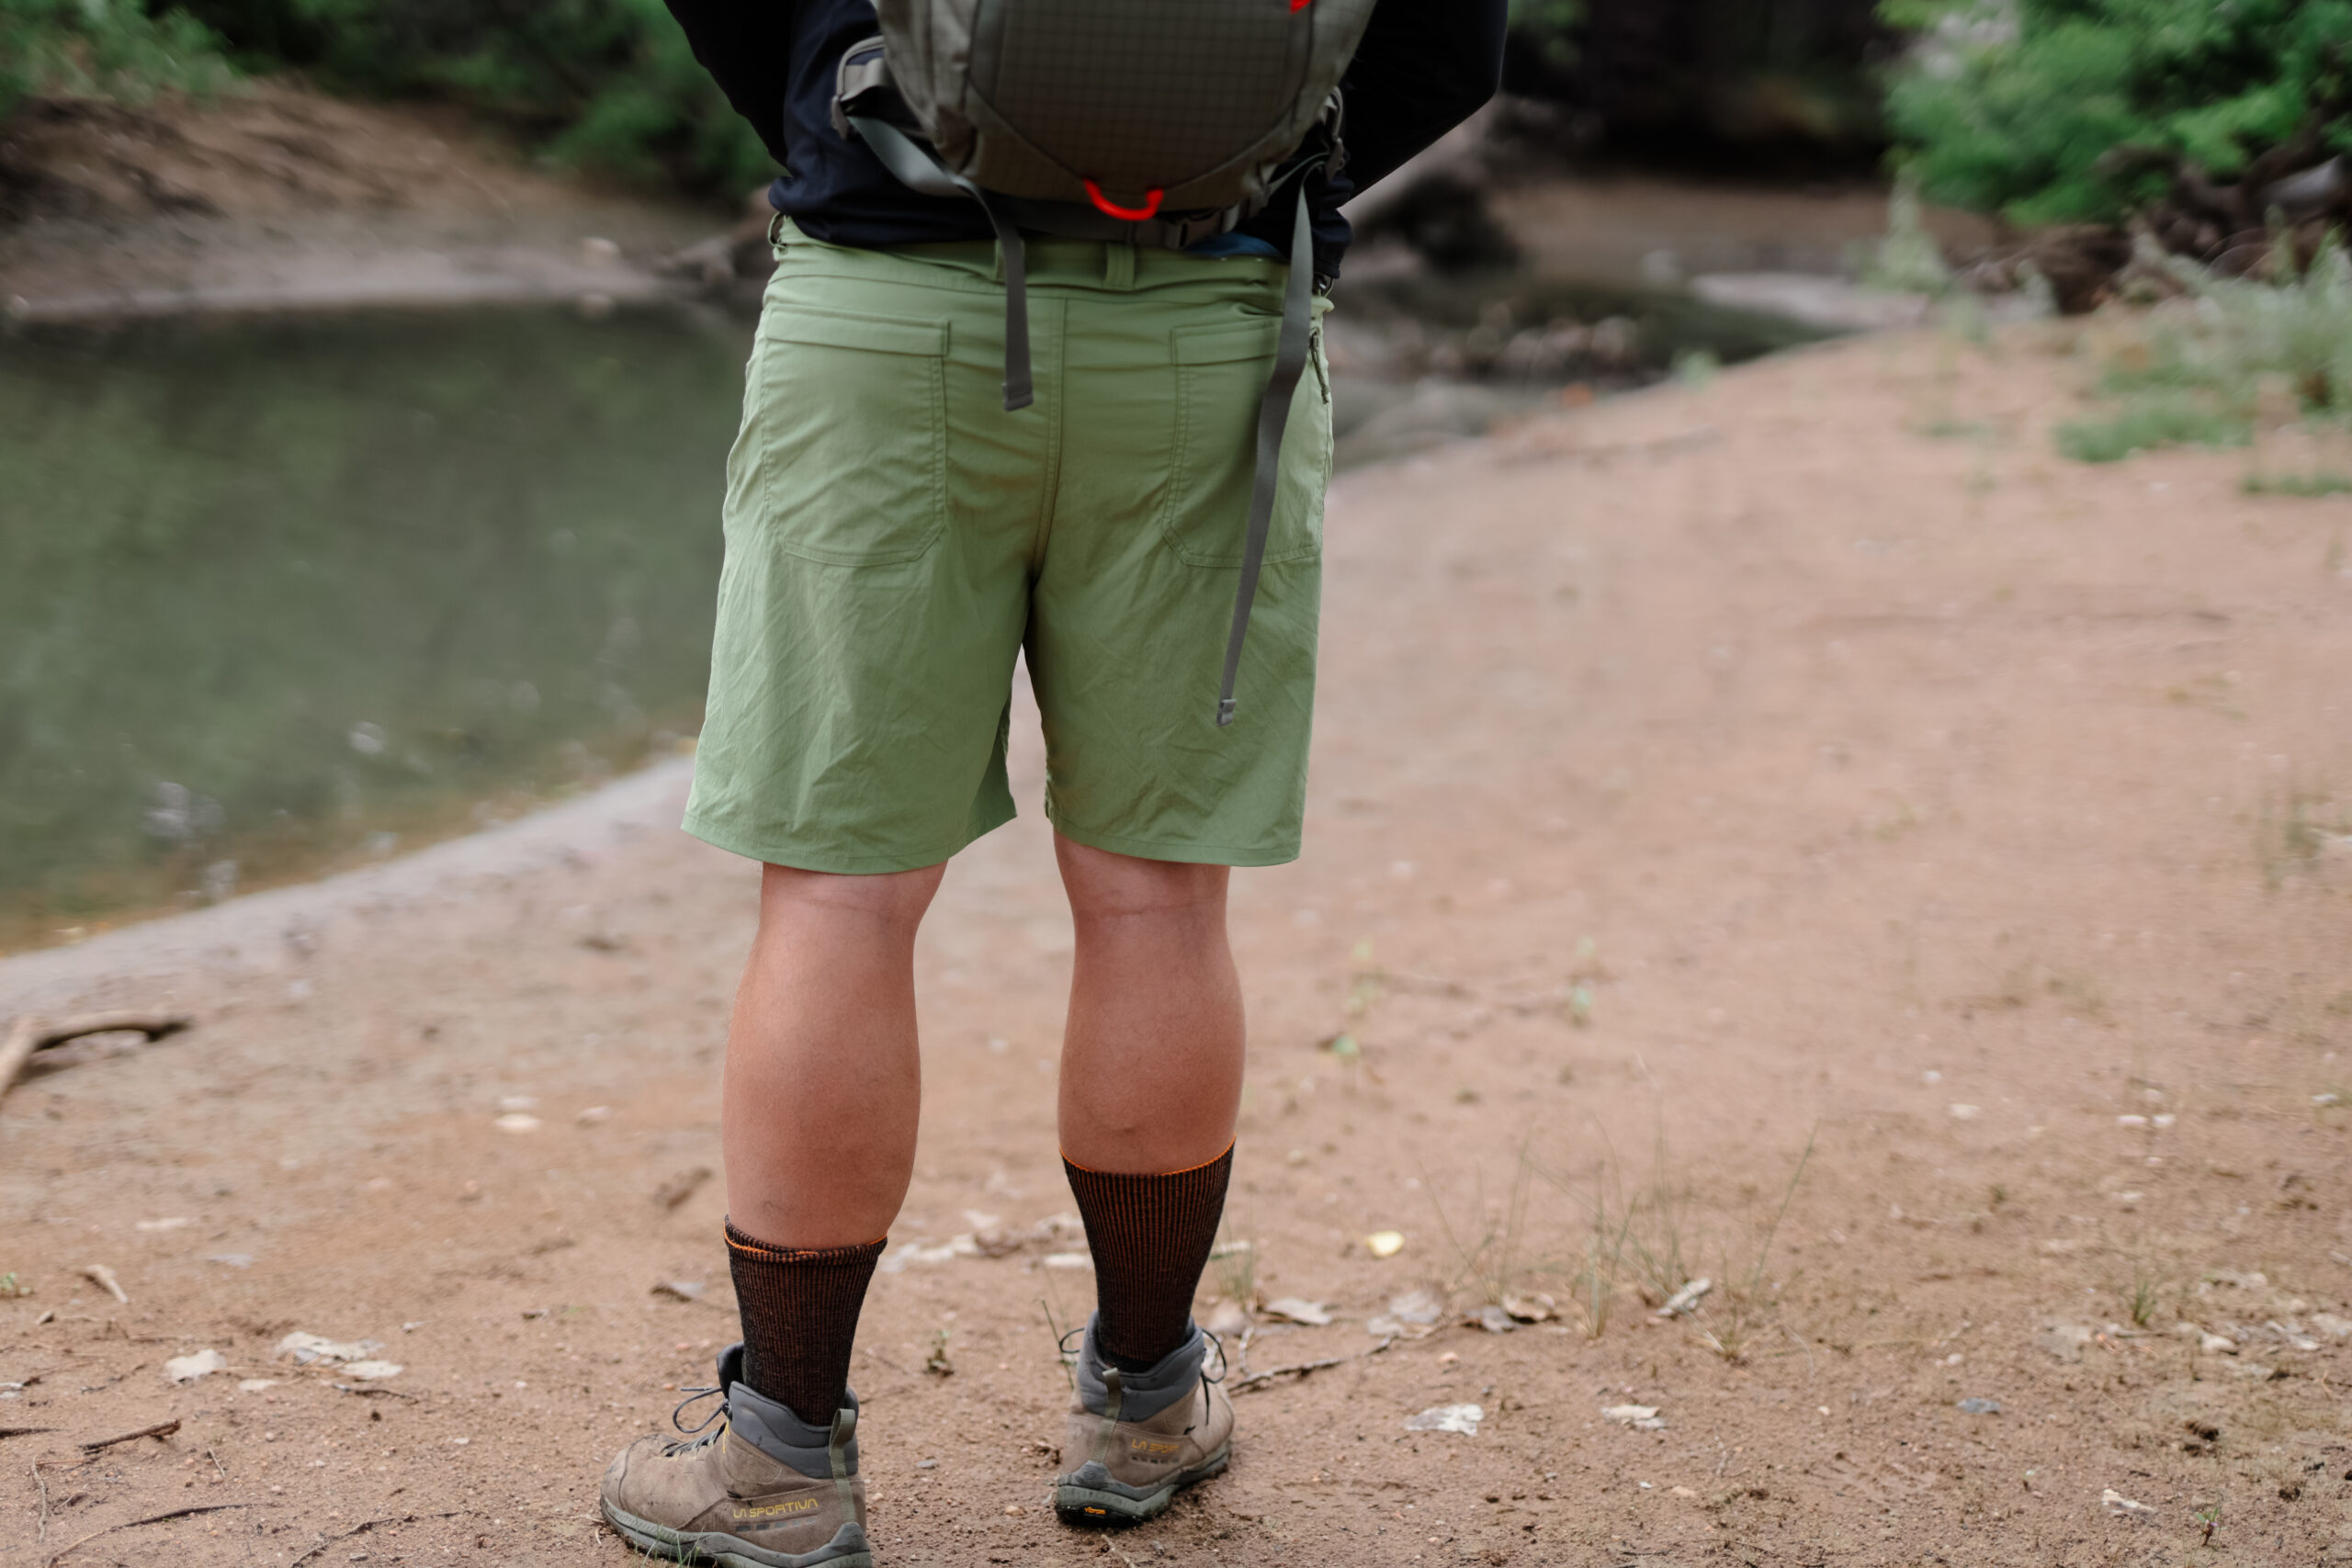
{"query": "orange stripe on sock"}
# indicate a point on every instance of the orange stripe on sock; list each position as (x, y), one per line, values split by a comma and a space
(1186, 1171)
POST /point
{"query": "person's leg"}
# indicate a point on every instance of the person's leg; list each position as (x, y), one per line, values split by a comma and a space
(1150, 1084)
(817, 1118)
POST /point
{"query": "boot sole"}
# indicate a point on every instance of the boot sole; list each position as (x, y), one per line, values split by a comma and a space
(1108, 1503)
(846, 1549)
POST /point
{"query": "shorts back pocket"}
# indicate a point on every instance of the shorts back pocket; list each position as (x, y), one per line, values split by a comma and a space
(1221, 371)
(843, 454)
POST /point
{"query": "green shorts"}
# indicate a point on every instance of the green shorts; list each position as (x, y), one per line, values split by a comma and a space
(895, 537)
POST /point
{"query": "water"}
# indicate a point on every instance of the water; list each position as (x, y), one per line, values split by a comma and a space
(278, 596)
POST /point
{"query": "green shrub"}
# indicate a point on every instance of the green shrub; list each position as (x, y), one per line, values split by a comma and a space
(2206, 369)
(1548, 28)
(2169, 419)
(110, 49)
(2020, 106)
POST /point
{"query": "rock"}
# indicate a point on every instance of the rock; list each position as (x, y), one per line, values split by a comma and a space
(1462, 1418)
(1981, 1406)
(2335, 1327)
(307, 1349)
(188, 1368)
(2062, 1341)
(517, 1121)
(1493, 1319)
(1385, 1244)
(678, 1290)
(1641, 1417)
(1292, 1308)
(1531, 1309)
(2116, 1503)
(1830, 304)
(1418, 1307)
(371, 1371)
(1413, 1315)
(2292, 1333)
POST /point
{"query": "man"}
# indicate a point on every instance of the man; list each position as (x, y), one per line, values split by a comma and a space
(894, 538)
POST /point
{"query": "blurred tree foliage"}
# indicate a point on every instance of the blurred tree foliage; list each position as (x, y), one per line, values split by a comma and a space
(1547, 28)
(103, 49)
(2085, 110)
(1715, 82)
(607, 83)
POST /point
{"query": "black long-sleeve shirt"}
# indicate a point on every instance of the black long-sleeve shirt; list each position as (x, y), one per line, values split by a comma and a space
(1422, 68)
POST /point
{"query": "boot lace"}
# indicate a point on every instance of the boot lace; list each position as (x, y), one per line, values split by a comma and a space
(707, 1430)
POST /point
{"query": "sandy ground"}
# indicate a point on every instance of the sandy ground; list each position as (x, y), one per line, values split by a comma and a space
(1699, 775)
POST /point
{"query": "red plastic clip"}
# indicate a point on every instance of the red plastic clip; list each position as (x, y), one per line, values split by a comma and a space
(1149, 209)
(1297, 6)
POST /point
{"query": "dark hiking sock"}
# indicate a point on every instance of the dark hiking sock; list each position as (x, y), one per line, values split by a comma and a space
(800, 1308)
(1150, 1236)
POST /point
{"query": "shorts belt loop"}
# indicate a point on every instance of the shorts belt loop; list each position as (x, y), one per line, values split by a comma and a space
(776, 231)
(1118, 266)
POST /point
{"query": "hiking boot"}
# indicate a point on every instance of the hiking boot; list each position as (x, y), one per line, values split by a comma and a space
(755, 1486)
(1140, 1436)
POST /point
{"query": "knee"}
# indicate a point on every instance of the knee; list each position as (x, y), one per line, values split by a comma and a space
(895, 899)
(1103, 885)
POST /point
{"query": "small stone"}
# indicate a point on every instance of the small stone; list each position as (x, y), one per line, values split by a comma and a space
(1314, 1314)
(1462, 1418)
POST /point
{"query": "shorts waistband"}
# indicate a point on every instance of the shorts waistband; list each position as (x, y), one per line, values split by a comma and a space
(1053, 263)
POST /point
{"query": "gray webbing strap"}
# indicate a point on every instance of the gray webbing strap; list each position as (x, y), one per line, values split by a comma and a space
(1019, 392)
(920, 171)
(1274, 415)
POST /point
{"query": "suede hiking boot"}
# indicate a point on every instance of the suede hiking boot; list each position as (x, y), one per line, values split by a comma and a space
(1137, 1438)
(752, 1488)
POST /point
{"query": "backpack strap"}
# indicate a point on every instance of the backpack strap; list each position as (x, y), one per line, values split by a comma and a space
(917, 168)
(1273, 417)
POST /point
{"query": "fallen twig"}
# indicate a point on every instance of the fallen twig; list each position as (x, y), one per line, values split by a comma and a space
(160, 1429)
(31, 1032)
(103, 1277)
(151, 1519)
(370, 1393)
(1254, 1379)
(23, 1431)
(42, 1484)
(362, 1528)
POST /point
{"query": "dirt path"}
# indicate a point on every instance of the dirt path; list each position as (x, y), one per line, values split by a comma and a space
(1698, 774)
